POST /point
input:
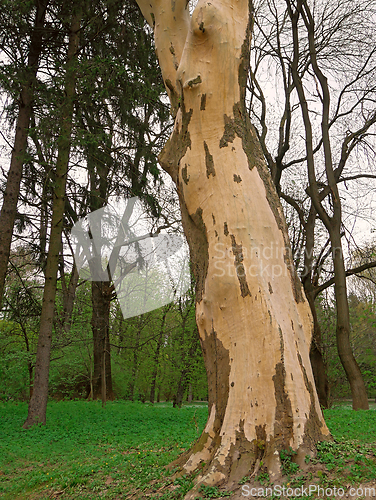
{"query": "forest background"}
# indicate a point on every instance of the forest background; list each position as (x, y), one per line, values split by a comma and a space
(84, 117)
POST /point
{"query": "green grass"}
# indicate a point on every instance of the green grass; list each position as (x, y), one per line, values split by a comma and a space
(344, 423)
(89, 452)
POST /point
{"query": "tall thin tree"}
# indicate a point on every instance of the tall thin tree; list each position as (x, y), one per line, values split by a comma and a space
(38, 402)
(28, 79)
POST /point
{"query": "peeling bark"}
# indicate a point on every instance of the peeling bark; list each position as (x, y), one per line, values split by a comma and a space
(253, 319)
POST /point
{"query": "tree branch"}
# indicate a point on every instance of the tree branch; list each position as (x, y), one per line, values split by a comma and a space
(170, 21)
(349, 272)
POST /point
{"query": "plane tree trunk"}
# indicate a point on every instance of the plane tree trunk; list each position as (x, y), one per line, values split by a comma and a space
(253, 319)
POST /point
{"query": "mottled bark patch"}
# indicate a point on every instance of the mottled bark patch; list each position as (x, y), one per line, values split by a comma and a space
(209, 162)
(240, 125)
(203, 102)
(177, 145)
(196, 234)
(194, 81)
(295, 281)
(245, 54)
(237, 178)
(225, 229)
(313, 426)
(174, 59)
(237, 250)
(281, 344)
(217, 364)
(229, 133)
(283, 425)
(174, 97)
(242, 457)
(270, 315)
(184, 174)
(260, 441)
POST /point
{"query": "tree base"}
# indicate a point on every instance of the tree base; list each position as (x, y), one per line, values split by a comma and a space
(244, 462)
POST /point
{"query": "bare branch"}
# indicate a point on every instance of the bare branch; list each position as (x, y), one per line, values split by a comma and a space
(349, 272)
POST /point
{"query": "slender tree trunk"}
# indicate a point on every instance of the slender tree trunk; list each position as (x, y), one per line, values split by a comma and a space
(315, 353)
(351, 367)
(186, 359)
(182, 385)
(156, 359)
(29, 363)
(101, 290)
(38, 401)
(100, 322)
(319, 368)
(69, 293)
(331, 222)
(190, 393)
(104, 385)
(253, 319)
(12, 190)
(184, 378)
(132, 385)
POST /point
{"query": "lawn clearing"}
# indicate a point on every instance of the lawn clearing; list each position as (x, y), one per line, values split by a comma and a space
(88, 452)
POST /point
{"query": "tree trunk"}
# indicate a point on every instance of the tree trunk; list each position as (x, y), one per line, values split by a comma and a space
(353, 373)
(101, 292)
(318, 365)
(253, 319)
(12, 190)
(156, 359)
(29, 363)
(182, 385)
(332, 221)
(190, 393)
(186, 360)
(315, 353)
(69, 294)
(132, 384)
(38, 401)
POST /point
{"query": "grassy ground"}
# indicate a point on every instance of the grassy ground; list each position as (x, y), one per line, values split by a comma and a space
(89, 452)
